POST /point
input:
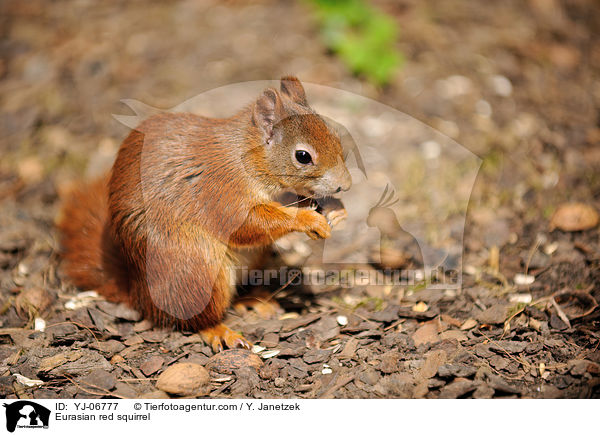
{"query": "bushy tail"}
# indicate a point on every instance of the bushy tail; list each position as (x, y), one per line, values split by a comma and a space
(91, 258)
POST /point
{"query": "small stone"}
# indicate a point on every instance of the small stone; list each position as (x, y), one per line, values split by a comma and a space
(279, 382)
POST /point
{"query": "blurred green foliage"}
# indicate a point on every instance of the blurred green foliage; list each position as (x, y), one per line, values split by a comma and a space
(362, 36)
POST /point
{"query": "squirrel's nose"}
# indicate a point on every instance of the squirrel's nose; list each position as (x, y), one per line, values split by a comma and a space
(345, 188)
(346, 183)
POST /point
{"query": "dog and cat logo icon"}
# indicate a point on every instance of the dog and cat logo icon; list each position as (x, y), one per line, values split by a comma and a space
(25, 414)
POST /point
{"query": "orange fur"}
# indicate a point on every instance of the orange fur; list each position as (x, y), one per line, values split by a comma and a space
(185, 192)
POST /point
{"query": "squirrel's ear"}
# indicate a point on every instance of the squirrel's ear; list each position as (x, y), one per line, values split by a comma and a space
(267, 112)
(292, 87)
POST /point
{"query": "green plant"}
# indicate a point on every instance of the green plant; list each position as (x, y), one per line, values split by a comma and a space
(362, 36)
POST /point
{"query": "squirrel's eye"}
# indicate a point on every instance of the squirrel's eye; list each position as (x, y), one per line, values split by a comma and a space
(303, 157)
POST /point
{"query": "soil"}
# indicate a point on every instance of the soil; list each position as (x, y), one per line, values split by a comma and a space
(514, 82)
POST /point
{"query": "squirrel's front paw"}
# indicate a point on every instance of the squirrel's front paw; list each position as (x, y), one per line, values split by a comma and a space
(313, 224)
(333, 210)
(220, 335)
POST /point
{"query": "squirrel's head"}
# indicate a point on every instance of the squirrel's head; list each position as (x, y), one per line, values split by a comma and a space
(299, 149)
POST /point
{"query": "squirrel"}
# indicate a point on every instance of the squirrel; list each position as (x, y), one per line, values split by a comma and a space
(161, 231)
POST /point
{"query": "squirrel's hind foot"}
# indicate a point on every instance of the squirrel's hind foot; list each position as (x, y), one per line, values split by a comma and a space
(220, 335)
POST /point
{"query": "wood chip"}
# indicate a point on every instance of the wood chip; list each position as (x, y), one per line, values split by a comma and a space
(434, 360)
(427, 333)
(469, 324)
(349, 350)
(57, 360)
(230, 360)
(152, 365)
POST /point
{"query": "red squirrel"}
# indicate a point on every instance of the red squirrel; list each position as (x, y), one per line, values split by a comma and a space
(161, 231)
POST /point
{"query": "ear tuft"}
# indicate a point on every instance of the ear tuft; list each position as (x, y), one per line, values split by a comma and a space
(292, 88)
(267, 110)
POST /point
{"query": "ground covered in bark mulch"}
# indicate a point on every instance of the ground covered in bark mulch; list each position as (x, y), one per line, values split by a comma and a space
(514, 82)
